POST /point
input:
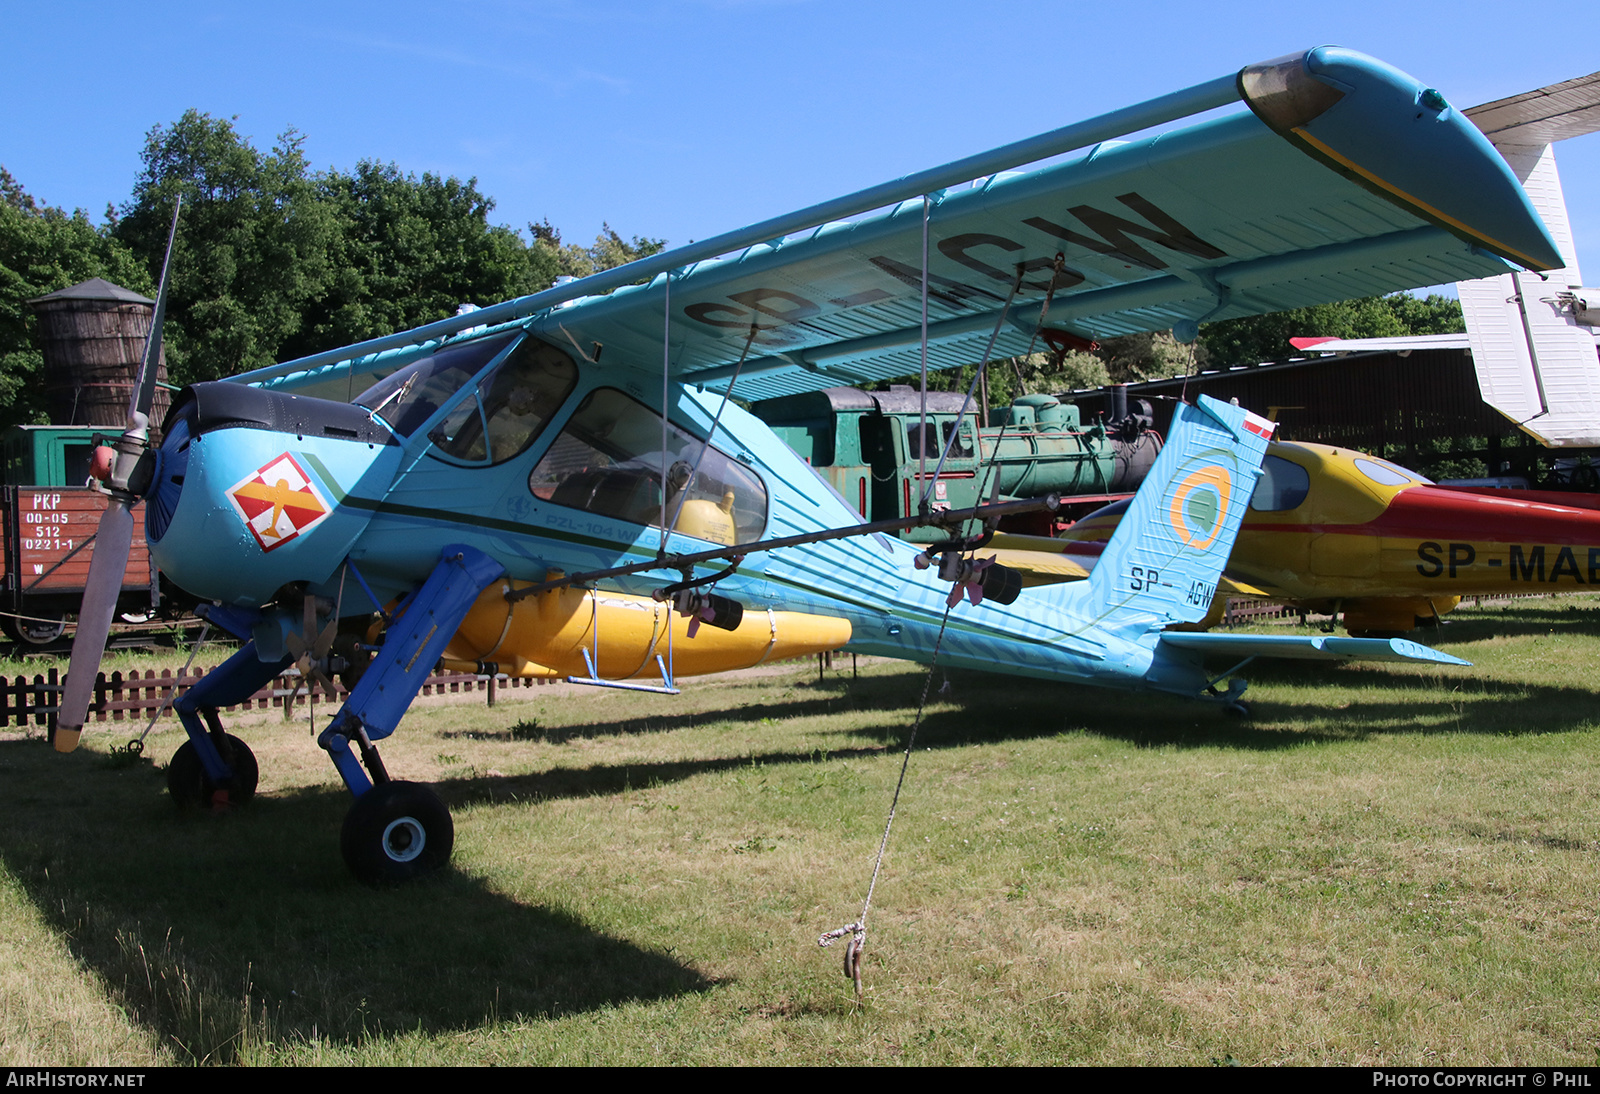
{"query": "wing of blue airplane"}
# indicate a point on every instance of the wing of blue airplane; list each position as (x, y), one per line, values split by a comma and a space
(1332, 176)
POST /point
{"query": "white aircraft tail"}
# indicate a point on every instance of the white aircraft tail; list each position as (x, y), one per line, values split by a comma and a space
(1536, 361)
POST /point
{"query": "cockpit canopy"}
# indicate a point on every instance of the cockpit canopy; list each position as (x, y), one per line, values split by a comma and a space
(510, 406)
(409, 397)
(611, 458)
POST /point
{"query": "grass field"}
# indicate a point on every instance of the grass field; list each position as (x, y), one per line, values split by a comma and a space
(1387, 865)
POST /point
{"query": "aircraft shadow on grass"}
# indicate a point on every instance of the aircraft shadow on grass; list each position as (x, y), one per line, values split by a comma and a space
(258, 899)
(177, 914)
(1385, 701)
(835, 695)
(985, 708)
(1514, 620)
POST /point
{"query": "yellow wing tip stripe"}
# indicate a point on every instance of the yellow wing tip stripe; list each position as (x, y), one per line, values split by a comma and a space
(1416, 202)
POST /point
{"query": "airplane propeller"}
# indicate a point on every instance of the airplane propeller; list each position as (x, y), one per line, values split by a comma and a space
(125, 472)
(311, 653)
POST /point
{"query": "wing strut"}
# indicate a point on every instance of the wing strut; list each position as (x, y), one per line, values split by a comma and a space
(922, 426)
(983, 365)
(683, 495)
(666, 374)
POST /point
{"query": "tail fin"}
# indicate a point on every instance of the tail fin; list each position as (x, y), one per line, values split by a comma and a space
(1534, 357)
(1162, 564)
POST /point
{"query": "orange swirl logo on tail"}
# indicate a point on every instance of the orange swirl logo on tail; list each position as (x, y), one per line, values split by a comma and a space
(1197, 506)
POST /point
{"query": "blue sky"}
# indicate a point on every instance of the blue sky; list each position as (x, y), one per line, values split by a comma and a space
(684, 118)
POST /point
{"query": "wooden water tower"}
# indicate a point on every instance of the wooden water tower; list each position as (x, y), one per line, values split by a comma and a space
(93, 336)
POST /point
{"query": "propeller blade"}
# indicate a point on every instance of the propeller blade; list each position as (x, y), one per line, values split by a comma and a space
(144, 392)
(310, 655)
(114, 540)
(325, 639)
(112, 544)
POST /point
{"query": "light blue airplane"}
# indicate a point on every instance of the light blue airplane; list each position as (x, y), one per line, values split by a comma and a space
(503, 491)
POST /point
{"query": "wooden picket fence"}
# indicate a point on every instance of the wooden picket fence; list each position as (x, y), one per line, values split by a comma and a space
(33, 700)
(26, 700)
(1243, 610)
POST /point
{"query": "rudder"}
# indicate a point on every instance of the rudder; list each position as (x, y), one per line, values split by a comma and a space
(1162, 564)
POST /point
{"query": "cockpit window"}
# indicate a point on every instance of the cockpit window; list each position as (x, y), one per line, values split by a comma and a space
(1283, 486)
(1385, 473)
(408, 398)
(510, 407)
(609, 460)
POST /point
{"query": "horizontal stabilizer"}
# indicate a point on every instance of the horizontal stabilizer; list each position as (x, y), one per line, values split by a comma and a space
(1042, 560)
(1549, 114)
(1310, 647)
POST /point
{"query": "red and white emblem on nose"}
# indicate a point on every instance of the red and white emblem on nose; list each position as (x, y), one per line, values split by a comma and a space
(278, 502)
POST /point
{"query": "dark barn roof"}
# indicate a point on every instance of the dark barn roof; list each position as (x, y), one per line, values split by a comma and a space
(1372, 401)
(1422, 409)
(96, 288)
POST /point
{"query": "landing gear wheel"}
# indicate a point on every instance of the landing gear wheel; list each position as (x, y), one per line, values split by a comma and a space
(395, 832)
(40, 631)
(1238, 708)
(188, 783)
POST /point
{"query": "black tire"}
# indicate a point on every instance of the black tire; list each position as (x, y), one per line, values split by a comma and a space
(40, 631)
(1238, 708)
(188, 783)
(396, 832)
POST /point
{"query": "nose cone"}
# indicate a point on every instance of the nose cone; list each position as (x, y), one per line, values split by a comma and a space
(255, 490)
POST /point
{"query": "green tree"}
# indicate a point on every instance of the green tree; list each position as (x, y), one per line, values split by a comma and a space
(609, 249)
(274, 261)
(409, 251)
(1154, 355)
(1266, 337)
(253, 248)
(1121, 360)
(42, 249)
(1149, 355)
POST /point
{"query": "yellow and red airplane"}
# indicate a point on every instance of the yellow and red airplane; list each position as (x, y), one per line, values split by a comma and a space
(1335, 530)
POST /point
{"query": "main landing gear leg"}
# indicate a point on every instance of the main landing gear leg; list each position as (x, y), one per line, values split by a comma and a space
(215, 768)
(396, 831)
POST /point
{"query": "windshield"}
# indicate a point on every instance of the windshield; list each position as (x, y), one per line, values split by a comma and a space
(409, 397)
(1385, 473)
(609, 460)
(510, 407)
(1283, 486)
